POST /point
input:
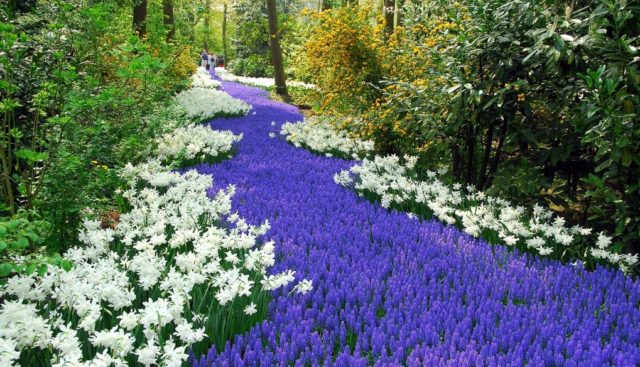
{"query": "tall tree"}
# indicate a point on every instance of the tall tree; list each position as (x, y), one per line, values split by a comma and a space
(389, 7)
(169, 20)
(276, 51)
(399, 12)
(140, 17)
(224, 32)
(207, 10)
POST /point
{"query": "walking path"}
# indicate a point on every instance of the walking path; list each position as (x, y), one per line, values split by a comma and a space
(390, 290)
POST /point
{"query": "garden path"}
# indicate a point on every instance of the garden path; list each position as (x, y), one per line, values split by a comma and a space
(392, 290)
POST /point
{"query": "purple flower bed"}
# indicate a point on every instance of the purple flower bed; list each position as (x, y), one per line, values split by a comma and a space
(389, 290)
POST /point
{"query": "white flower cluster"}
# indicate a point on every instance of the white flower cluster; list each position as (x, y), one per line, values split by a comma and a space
(144, 290)
(202, 79)
(318, 134)
(227, 76)
(194, 144)
(476, 213)
(204, 103)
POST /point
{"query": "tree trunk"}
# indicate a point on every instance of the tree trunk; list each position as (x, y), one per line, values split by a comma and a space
(496, 157)
(470, 147)
(399, 12)
(389, 10)
(168, 19)
(140, 18)
(224, 34)
(207, 6)
(191, 20)
(485, 158)
(276, 51)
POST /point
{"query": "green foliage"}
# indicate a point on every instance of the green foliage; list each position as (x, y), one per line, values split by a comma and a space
(76, 86)
(253, 66)
(609, 121)
(251, 41)
(21, 245)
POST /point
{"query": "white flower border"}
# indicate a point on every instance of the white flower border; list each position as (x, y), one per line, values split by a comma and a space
(227, 76)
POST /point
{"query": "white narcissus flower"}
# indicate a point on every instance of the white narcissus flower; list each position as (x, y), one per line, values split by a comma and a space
(187, 334)
(129, 320)
(8, 351)
(204, 103)
(67, 342)
(148, 355)
(477, 213)
(173, 356)
(258, 82)
(195, 142)
(119, 342)
(202, 79)
(318, 134)
(22, 323)
(603, 241)
(250, 309)
(303, 286)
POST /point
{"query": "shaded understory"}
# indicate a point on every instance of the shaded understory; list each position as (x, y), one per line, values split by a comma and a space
(390, 290)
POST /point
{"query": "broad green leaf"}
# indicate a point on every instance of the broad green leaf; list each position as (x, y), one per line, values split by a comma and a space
(5, 269)
(21, 243)
(42, 269)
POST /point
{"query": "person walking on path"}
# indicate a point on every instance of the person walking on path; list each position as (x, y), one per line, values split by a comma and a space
(214, 60)
(205, 59)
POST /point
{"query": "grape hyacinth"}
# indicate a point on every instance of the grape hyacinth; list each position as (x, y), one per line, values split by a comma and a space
(391, 290)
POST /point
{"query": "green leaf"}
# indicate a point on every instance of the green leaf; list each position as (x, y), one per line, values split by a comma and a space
(66, 265)
(3, 245)
(31, 268)
(5, 269)
(21, 243)
(42, 269)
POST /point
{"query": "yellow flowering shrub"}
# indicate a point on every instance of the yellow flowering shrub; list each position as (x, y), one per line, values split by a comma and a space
(414, 62)
(344, 52)
(363, 72)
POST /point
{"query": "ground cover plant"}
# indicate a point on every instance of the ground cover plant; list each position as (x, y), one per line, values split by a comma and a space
(193, 144)
(202, 104)
(319, 134)
(394, 290)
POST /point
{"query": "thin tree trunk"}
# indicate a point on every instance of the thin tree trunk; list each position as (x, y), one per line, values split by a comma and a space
(399, 12)
(192, 24)
(207, 9)
(140, 18)
(471, 147)
(389, 10)
(485, 158)
(496, 158)
(224, 33)
(168, 19)
(276, 51)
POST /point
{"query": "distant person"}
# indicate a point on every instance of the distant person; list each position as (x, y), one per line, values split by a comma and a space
(205, 59)
(214, 60)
